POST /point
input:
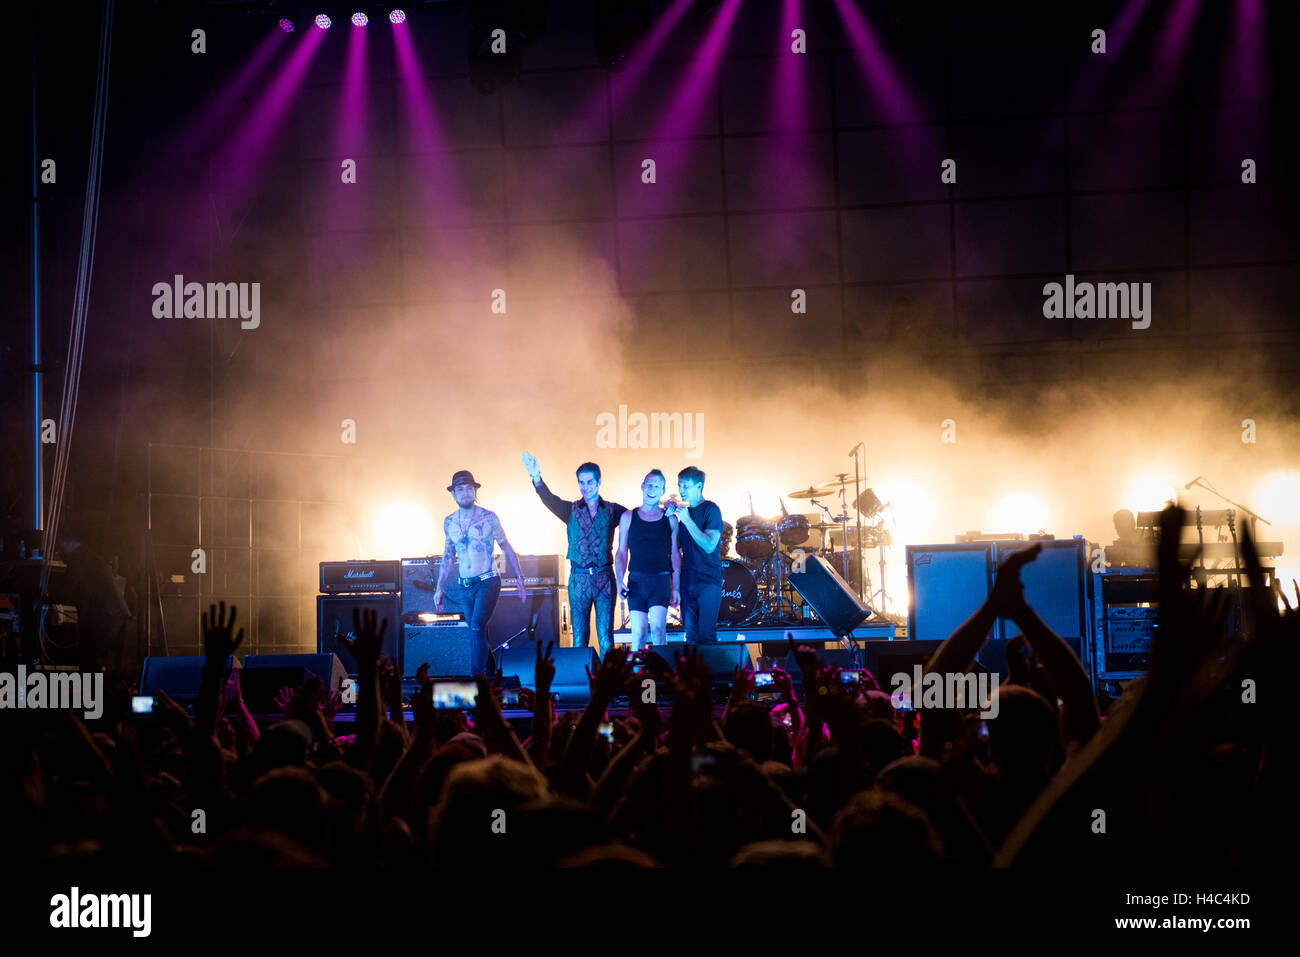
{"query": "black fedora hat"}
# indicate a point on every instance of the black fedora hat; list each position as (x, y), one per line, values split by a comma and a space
(463, 477)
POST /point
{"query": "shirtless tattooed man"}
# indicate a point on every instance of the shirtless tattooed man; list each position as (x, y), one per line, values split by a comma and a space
(471, 532)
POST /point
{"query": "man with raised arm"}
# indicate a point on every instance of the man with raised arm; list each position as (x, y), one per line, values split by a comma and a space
(591, 522)
(471, 532)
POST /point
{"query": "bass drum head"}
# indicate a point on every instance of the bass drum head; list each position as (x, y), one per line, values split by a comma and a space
(739, 593)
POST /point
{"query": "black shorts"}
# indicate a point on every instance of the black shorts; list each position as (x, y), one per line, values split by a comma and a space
(646, 591)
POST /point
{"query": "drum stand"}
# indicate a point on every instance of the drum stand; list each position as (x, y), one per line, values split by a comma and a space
(769, 610)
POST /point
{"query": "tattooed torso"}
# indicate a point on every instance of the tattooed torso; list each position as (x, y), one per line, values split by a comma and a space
(472, 539)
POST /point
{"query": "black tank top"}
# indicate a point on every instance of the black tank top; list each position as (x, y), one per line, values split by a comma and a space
(650, 544)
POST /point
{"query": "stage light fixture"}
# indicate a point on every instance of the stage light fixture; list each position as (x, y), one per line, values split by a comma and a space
(359, 19)
(286, 25)
(619, 25)
(397, 16)
(323, 21)
(522, 22)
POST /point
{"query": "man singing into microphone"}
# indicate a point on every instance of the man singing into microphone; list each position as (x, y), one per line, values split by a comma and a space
(471, 533)
(699, 536)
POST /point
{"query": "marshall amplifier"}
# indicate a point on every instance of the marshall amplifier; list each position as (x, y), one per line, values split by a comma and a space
(343, 577)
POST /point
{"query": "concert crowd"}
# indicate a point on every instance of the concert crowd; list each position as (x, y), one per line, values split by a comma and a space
(1186, 768)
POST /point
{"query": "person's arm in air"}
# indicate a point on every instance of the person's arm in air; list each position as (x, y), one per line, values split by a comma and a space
(559, 507)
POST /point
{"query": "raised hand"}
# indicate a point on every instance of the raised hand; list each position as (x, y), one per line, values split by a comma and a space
(611, 675)
(218, 645)
(422, 701)
(330, 706)
(544, 669)
(646, 711)
(530, 463)
(805, 658)
(232, 695)
(1008, 595)
(284, 699)
(782, 683)
(742, 683)
(173, 717)
(366, 646)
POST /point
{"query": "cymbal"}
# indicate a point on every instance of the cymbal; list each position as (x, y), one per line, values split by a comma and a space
(815, 491)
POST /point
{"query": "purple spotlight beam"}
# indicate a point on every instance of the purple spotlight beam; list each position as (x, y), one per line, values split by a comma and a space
(212, 122)
(882, 79)
(688, 100)
(236, 167)
(439, 183)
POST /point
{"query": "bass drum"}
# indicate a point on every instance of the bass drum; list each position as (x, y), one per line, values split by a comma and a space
(739, 593)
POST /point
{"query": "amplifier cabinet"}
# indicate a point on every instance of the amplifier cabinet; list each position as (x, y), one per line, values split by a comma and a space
(359, 576)
(334, 618)
(948, 583)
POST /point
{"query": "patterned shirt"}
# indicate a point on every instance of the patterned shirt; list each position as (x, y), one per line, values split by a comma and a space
(591, 538)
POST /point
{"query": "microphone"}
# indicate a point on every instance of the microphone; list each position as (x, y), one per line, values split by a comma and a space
(1195, 481)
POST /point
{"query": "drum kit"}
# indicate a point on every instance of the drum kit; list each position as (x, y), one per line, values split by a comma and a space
(755, 586)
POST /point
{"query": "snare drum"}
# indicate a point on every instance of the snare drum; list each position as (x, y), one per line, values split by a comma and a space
(739, 593)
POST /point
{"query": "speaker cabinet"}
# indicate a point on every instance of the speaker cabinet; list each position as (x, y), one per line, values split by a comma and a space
(446, 646)
(334, 618)
(829, 596)
(179, 677)
(722, 659)
(949, 582)
(264, 675)
(888, 658)
(570, 685)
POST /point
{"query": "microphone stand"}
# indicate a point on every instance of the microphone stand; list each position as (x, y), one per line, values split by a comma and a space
(857, 512)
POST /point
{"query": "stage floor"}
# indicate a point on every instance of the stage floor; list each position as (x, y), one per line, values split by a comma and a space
(802, 634)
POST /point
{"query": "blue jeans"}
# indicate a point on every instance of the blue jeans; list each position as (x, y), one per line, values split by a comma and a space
(476, 602)
(700, 604)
